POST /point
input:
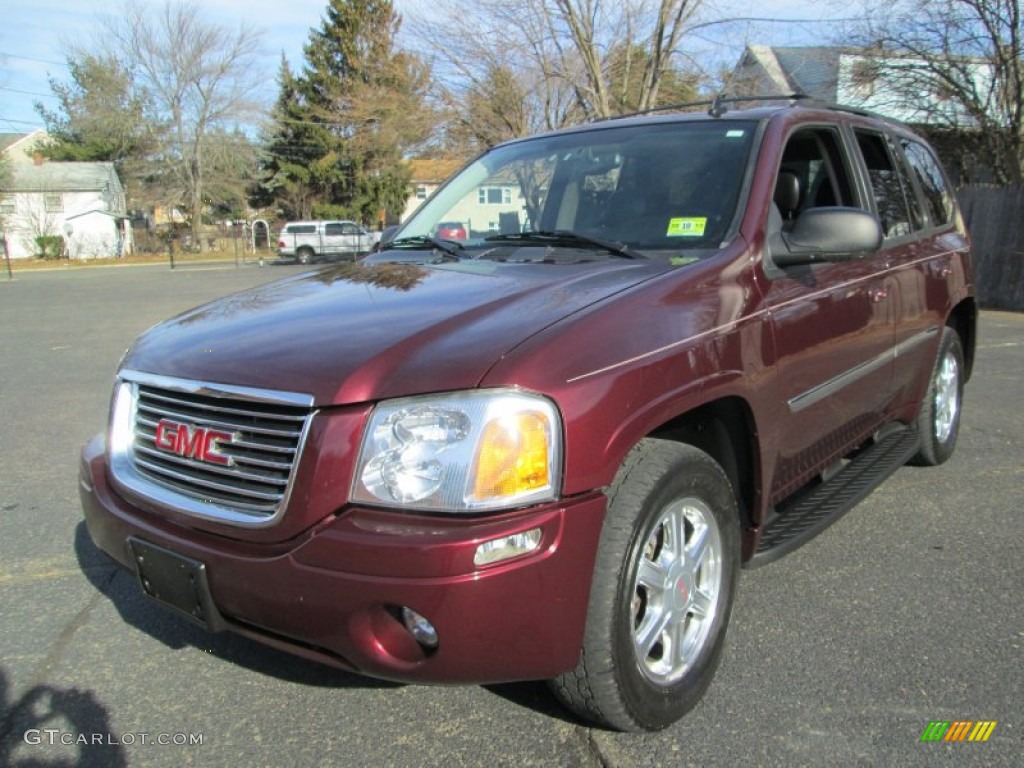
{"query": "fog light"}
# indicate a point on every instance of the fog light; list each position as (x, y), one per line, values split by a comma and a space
(495, 550)
(421, 629)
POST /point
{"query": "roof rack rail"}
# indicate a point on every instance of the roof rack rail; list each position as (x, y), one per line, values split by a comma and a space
(716, 106)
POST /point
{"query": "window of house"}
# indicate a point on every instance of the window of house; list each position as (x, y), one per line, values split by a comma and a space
(8, 207)
(495, 195)
(54, 203)
(894, 198)
(421, 193)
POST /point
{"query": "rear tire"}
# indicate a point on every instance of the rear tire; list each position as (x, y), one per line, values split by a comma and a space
(938, 422)
(664, 582)
(304, 255)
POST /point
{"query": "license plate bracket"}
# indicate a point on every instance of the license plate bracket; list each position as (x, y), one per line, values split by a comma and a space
(176, 582)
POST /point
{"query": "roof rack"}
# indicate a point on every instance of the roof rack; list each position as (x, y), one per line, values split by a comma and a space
(716, 106)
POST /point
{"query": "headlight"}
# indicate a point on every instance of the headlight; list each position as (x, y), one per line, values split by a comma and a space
(461, 452)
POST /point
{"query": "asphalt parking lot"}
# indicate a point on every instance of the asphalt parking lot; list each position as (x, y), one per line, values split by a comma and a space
(907, 611)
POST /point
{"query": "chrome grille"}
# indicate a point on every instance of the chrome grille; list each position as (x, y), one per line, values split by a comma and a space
(247, 479)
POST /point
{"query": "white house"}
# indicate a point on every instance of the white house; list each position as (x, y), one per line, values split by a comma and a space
(498, 206)
(83, 203)
(888, 84)
(427, 175)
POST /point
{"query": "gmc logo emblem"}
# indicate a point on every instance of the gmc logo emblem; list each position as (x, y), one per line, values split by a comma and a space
(193, 442)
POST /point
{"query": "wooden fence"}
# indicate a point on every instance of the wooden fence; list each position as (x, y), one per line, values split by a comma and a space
(995, 219)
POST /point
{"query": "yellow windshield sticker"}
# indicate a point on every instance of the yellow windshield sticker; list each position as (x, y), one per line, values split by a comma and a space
(679, 261)
(692, 226)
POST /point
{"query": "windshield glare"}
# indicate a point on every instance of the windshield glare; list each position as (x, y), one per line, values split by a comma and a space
(652, 187)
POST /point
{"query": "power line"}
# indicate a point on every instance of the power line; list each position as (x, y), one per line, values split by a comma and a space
(28, 93)
(29, 58)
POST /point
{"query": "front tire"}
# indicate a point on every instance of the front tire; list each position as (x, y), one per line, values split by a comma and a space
(938, 422)
(663, 589)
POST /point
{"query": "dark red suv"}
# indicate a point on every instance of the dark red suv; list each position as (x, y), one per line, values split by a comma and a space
(680, 345)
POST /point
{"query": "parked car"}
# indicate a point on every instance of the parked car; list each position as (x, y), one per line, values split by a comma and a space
(546, 454)
(451, 230)
(309, 241)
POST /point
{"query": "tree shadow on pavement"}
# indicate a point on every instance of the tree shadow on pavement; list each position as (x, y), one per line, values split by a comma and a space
(46, 720)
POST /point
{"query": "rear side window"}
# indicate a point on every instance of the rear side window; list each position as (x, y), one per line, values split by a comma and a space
(938, 198)
(894, 198)
(300, 229)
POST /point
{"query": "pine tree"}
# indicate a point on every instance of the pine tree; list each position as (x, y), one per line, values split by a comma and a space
(341, 127)
(288, 152)
(102, 115)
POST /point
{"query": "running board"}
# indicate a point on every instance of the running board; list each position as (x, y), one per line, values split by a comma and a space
(800, 519)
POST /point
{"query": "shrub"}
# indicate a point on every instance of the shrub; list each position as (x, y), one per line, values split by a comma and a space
(50, 246)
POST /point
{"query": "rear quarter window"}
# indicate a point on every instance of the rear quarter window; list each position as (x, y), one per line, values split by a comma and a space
(895, 201)
(938, 197)
(300, 229)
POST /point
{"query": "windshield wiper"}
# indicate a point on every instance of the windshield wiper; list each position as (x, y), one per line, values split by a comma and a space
(565, 237)
(450, 247)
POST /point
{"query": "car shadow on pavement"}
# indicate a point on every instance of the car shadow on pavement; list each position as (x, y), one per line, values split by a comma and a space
(534, 695)
(120, 587)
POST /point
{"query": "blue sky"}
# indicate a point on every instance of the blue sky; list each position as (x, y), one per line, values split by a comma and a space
(34, 36)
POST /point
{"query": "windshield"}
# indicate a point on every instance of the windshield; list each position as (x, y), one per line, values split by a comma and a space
(636, 189)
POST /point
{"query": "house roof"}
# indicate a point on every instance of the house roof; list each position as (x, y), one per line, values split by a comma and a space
(813, 71)
(18, 147)
(60, 177)
(98, 211)
(434, 169)
(7, 139)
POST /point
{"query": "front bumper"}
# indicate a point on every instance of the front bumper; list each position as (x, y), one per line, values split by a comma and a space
(334, 594)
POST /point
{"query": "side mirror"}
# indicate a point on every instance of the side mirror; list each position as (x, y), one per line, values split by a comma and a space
(828, 235)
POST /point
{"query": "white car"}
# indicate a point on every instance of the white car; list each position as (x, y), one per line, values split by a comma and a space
(309, 241)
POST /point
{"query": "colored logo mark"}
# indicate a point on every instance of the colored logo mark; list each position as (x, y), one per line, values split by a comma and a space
(958, 730)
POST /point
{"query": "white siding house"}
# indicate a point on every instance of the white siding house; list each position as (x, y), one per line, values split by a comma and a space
(83, 203)
(427, 175)
(888, 84)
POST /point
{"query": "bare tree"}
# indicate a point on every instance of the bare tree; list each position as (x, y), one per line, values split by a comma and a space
(959, 64)
(598, 29)
(36, 225)
(531, 65)
(203, 79)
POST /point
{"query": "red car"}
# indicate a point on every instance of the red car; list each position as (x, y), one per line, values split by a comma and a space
(690, 344)
(451, 230)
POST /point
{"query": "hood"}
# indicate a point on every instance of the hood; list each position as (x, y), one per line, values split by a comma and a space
(359, 332)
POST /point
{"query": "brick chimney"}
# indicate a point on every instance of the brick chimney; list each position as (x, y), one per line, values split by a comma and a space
(37, 158)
